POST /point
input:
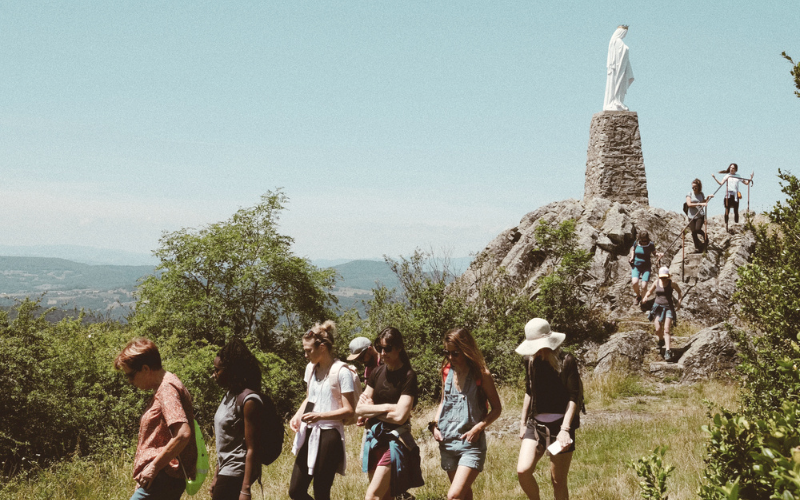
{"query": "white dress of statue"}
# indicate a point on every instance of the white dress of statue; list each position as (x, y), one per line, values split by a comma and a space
(619, 74)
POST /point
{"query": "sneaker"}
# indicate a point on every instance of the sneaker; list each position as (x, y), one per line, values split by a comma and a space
(668, 355)
(660, 343)
(638, 299)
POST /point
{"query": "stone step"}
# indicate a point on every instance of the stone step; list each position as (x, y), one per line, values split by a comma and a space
(663, 369)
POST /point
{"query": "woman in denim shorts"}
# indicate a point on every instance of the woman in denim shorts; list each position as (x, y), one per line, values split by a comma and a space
(550, 416)
(463, 412)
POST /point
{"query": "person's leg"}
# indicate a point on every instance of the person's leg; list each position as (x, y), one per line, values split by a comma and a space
(559, 468)
(635, 285)
(329, 458)
(379, 484)
(461, 481)
(227, 488)
(529, 454)
(735, 206)
(727, 210)
(298, 484)
(667, 336)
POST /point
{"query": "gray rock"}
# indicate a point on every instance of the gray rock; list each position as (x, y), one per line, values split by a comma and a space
(623, 351)
(618, 226)
(710, 352)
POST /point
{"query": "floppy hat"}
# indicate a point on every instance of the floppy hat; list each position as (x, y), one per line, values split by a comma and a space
(663, 272)
(537, 336)
(357, 347)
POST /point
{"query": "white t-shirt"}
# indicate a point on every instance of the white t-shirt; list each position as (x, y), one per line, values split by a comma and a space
(319, 391)
(733, 184)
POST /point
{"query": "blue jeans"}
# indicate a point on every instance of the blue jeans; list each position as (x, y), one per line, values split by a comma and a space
(164, 487)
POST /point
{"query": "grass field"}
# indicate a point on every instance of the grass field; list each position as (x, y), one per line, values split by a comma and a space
(627, 417)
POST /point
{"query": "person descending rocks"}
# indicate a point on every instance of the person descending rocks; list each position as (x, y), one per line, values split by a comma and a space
(639, 258)
(697, 201)
(732, 193)
(663, 314)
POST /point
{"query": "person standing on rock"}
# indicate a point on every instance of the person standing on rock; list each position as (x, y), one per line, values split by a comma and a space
(553, 396)
(663, 314)
(697, 201)
(732, 191)
(463, 413)
(639, 258)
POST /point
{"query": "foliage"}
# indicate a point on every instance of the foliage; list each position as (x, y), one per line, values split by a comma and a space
(59, 392)
(653, 474)
(233, 278)
(795, 73)
(495, 306)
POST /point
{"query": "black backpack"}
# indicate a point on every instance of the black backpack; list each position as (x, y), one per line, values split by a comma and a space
(271, 436)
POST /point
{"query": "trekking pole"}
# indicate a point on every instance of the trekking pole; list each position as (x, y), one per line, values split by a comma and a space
(683, 256)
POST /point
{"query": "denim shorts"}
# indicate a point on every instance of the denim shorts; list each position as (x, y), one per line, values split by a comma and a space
(460, 452)
(662, 313)
(642, 272)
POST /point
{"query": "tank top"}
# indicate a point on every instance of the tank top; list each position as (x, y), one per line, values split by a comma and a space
(663, 295)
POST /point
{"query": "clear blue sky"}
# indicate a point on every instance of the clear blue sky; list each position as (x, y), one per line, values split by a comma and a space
(390, 125)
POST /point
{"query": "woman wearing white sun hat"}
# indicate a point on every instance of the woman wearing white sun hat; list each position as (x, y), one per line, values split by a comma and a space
(550, 410)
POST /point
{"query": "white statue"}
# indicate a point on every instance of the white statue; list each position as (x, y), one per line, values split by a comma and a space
(619, 74)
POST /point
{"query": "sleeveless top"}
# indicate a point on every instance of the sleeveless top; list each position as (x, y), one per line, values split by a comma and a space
(461, 410)
(664, 295)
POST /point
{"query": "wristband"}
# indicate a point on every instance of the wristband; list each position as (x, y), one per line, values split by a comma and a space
(243, 493)
(565, 429)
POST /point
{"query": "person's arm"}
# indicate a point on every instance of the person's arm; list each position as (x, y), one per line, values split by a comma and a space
(676, 288)
(181, 435)
(708, 198)
(343, 413)
(437, 435)
(252, 431)
(398, 413)
(487, 383)
(366, 407)
(719, 181)
(649, 291)
(523, 419)
(566, 425)
(294, 423)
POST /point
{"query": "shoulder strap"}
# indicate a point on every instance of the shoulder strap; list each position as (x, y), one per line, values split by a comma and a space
(333, 377)
(240, 398)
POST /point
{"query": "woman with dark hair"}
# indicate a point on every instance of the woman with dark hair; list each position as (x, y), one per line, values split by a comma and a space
(664, 315)
(319, 443)
(237, 422)
(391, 457)
(640, 260)
(550, 411)
(732, 190)
(463, 413)
(166, 454)
(697, 201)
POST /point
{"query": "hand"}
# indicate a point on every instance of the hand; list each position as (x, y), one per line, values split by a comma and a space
(473, 434)
(243, 494)
(312, 417)
(365, 400)
(294, 423)
(563, 438)
(437, 434)
(146, 477)
(522, 430)
(213, 483)
(361, 421)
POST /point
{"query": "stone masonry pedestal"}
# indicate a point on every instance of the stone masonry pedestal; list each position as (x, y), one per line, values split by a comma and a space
(614, 163)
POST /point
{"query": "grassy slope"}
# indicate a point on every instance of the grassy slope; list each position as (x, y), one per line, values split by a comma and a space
(627, 419)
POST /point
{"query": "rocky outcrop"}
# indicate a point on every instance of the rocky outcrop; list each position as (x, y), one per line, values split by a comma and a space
(607, 230)
(624, 351)
(614, 163)
(710, 352)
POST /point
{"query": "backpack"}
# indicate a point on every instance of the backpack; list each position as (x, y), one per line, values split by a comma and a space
(336, 391)
(270, 442)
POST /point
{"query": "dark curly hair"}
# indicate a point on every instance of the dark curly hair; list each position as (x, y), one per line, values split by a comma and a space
(242, 367)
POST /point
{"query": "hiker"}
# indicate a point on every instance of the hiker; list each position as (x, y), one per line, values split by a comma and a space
(166, 453)
(663, 314)
(463, 414)
(696, 201)
(361, 351)
(639, 258)
(549, 410)
(319, 440)
(732, 194)
(390, 456)
(237, 422)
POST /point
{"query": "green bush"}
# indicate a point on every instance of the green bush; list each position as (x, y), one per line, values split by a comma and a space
(653, 474)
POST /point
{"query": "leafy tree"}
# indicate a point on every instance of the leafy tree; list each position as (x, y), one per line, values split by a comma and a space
(795, 73)
(232, 278)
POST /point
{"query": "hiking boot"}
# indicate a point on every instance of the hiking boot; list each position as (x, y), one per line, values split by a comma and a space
(660, 343)
(638, 299)
(668, 355)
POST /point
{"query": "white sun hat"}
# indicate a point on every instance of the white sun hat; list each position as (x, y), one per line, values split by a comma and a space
(539, 335)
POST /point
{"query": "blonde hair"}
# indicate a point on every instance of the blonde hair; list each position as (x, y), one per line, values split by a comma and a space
(322, 334)
(465, 342)
(139, 352)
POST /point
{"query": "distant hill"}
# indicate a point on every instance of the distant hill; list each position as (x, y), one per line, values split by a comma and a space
(362, 275)
(82, 254)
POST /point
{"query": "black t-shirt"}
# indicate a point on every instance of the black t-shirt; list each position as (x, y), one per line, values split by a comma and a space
(553, 390)
(388, 386)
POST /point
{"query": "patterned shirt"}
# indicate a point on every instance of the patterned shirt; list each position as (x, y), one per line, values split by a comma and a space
(171, 404)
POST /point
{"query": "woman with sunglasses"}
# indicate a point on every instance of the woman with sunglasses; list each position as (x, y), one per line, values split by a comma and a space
(639, 259)
(166, 454)
(319, 442)
(390, 454)
(463, 413)
(663, 314)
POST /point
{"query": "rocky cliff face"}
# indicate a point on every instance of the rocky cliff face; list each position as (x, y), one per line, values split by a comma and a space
(607, 229)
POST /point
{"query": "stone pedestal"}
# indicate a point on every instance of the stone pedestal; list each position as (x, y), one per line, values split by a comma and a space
(614, 163)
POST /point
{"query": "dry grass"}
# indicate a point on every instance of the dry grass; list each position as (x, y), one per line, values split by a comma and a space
(627, 418)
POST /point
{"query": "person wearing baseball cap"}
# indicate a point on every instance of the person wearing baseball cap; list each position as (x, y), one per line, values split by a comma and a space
(362, 351)
(553, 396)
(663, 314)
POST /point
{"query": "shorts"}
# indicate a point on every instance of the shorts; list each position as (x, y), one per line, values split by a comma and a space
(662, 313)
(460, 452)
(380, 456)
(164, 487)
(641, 272)
(538, 432)
(227, 487)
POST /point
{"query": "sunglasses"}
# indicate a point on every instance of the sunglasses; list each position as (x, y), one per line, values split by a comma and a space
(450, 354)
(130, 375)
(385, 348)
